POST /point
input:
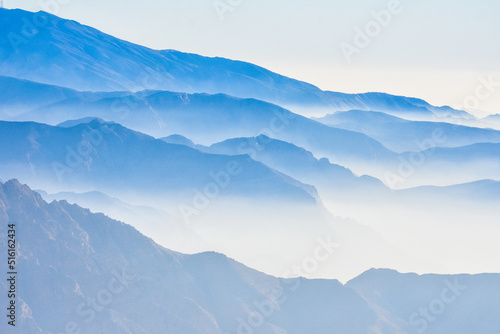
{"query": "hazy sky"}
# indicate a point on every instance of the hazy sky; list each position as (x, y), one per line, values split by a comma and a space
(434, 49)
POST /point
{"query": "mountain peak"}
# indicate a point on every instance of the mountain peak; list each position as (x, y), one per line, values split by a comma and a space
(84, 120)
(179, 139)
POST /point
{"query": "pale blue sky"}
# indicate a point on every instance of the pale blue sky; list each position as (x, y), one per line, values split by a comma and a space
(434, 49)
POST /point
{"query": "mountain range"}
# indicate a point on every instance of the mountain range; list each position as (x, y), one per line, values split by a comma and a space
(212, 196)
(83, 58)
(152, 164)
(346, 138)
(402, 135)
(131, 284)
(87, 155)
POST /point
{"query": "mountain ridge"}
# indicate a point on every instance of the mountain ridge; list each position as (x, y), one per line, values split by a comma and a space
(69, 43)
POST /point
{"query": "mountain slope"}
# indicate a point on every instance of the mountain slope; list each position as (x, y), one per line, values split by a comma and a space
(433, 303)
(84, 58)
(162, 227)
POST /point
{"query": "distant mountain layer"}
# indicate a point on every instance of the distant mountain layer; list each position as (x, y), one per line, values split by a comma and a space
(453, 165)
(402, 135)
(95, 274)
(300, 164)
(493, 120)
(495, 117)
(65, 53)
(107, 156)
(203, 118)
(485, 191)
(206, 119)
